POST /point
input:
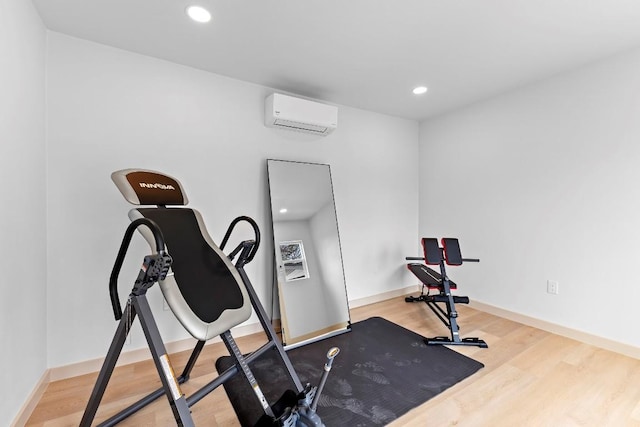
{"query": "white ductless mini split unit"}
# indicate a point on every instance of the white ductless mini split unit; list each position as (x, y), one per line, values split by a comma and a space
(302, 115)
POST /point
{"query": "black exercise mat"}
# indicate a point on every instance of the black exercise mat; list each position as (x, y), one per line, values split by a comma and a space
(383, 371)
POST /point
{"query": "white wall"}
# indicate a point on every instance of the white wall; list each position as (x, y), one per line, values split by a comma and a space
(110, 109)
(543, 183)
(23, 333)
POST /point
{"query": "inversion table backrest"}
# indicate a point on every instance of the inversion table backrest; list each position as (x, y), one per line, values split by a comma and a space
(203, 289)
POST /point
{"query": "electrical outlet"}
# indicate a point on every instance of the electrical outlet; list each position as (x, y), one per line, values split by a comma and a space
(553, 287)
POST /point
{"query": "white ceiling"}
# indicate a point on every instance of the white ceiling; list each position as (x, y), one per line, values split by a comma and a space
(365, 53)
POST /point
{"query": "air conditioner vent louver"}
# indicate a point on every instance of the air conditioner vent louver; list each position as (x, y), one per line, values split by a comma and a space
(287, 112)
(300, 126)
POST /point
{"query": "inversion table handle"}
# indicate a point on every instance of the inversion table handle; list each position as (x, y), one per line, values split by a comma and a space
(255, 243)
(417, 258)
(113, 280)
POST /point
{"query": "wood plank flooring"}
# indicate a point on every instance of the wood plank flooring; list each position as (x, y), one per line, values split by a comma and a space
(530, 378)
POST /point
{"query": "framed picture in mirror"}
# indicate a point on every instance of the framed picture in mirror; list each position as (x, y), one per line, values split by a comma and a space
(293, 260)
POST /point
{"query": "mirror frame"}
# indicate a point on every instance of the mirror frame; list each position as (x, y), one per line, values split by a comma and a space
(331, 329)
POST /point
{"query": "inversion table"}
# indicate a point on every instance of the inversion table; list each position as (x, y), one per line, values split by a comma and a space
(208, 295)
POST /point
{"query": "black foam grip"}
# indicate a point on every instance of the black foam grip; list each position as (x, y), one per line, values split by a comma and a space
(124, 246)
(452, 253)
(432, 251)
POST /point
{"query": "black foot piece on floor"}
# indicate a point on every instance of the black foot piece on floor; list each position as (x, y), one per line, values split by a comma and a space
(447, 341)
(414, 299)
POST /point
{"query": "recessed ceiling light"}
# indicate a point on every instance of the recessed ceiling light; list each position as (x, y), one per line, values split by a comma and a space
(420, 90)
(198, 14)
(283, 210)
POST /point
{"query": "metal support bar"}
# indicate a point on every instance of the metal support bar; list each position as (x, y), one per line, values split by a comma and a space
(241, 363)
(153, 396)
(130, 410)
(223, 377)
(438, 311)
(452, 315)
(268, 328)
(177, 400)
(108, 365)
(192, 361)
(138, 305)
(451, 306)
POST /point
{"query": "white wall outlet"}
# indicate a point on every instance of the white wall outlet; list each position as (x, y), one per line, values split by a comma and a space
(553, 287)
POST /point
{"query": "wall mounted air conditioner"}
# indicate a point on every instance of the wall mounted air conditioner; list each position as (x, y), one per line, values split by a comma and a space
(302, 115)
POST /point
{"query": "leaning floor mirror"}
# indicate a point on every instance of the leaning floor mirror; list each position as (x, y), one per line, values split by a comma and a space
(312, 294)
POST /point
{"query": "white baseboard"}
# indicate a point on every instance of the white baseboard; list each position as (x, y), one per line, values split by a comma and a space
(30, 404)
(138, 355)
(383, 296)
(587, 338)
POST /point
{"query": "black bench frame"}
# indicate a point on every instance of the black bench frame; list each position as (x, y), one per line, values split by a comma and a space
(450, 254)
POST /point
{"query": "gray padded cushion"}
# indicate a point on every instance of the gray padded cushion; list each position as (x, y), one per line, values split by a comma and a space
(205, 291)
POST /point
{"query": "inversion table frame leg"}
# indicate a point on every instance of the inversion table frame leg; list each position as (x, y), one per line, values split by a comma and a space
(268, 328)
(139, 305)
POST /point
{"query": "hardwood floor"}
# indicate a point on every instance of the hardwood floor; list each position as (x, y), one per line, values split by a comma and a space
(530, 378)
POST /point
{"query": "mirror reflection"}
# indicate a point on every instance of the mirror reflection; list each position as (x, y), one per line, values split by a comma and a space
(310, 277)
